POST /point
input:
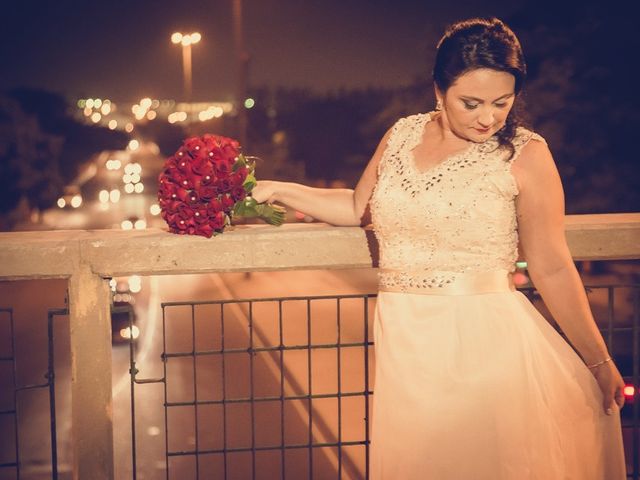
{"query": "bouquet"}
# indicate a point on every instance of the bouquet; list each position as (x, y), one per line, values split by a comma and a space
(206, 183)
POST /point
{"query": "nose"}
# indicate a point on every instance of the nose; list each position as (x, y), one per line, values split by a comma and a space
(486, 118)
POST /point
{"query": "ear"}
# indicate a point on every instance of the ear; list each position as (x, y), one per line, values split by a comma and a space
(438, 93)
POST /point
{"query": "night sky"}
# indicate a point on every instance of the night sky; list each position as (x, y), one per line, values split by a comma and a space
(122, 50)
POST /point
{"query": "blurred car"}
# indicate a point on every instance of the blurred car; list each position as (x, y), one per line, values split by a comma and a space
(123, 314)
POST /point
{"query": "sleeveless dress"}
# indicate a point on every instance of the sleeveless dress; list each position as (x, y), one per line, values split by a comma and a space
(471, 382)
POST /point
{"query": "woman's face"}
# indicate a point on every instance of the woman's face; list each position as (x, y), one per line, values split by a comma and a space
(476, 105)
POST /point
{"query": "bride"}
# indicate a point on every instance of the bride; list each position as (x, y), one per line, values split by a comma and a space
(471, 381)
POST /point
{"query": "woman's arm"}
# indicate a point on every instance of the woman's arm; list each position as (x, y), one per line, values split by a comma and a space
(337, 206)
(540, 213)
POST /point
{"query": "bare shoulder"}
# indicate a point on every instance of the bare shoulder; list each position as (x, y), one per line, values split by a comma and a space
(534, 165)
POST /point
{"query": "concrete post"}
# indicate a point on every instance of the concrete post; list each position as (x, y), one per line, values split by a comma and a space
(91, 403)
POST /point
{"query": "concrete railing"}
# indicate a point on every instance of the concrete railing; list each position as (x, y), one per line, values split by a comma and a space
(88, 259)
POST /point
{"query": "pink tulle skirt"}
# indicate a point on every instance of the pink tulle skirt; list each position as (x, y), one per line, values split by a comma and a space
(481, 387)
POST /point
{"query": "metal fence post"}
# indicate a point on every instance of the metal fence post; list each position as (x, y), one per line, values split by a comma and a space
(91, 402)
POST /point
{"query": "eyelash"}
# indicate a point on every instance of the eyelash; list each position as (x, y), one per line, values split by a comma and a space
(469, 106)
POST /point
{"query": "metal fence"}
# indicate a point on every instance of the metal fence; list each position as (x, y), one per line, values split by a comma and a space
(271, 388)
(10, 411)
(267, 407)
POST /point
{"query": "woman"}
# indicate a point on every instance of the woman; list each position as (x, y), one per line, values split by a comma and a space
(471, 381)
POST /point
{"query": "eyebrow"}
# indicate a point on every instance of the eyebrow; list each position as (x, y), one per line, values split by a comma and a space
(480, 100)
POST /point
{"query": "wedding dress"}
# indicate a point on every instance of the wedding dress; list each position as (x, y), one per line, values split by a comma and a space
(471, 382)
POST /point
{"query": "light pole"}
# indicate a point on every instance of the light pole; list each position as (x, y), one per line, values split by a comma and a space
(242, 60)
(186, 40)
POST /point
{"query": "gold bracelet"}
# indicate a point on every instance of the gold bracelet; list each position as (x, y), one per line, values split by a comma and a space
(608, 359)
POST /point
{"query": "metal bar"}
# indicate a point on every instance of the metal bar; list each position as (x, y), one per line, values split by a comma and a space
(133, 371)
(251, 394)
(339, 365)
(366, 385)
(263, 299)
(261, 349)
(14, 376)
(610, 317)
(224, 395)
(185, 453)
(635, 442)
(195, 385)
(309, 379)
(52, 396)
(281, 349)
(166, 411)
(270, 398)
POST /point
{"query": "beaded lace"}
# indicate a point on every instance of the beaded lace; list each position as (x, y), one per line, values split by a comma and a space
(453, 218)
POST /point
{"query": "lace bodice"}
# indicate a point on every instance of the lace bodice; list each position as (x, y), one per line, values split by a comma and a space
(456, 217)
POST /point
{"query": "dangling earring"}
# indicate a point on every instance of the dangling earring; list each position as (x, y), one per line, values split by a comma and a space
(438, 105)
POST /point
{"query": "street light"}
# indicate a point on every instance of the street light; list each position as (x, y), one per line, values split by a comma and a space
(186, 40)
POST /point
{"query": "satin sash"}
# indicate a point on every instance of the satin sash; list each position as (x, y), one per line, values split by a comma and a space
(472, 283)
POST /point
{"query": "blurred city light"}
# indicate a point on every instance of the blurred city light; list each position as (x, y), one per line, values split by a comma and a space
(130, 332)
(135, 283)
(249, 103)
(129, 188)
(139, 187)
(113, 164)
(126, 225)
(128, 127)
(154, 209)
(103, 196)
(151, 115)
(89, 103)
(176, 37)
(113, 124)
(114, 195)
(96, 117)
(61, 202)
(140, 225)
(629, 391)
(106, 109)
(76, 201)
(133, 145)
(97, 103)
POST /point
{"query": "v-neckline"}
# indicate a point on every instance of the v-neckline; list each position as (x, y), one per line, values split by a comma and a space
(445, 160)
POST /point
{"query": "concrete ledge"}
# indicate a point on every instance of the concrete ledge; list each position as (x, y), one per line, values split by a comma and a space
(57, 254)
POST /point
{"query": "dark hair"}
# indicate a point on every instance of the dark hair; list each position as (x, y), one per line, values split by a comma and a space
(482, 43)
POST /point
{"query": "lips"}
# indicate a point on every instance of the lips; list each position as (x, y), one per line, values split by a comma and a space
(479, 130)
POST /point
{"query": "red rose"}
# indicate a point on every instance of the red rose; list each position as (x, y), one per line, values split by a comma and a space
(214, 206)
(217, 221)
(207, 192)
(204, 229)
(227, 203)
(193, 145)
(200, 215)
(238, 193)
(194, 180)
(182, 194)
(224, 185)
(202, 166)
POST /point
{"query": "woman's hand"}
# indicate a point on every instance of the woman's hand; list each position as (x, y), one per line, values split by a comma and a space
(611, 384)
(264, 191)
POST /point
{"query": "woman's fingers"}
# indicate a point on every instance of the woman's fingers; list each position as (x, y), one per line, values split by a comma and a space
(619, 397)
